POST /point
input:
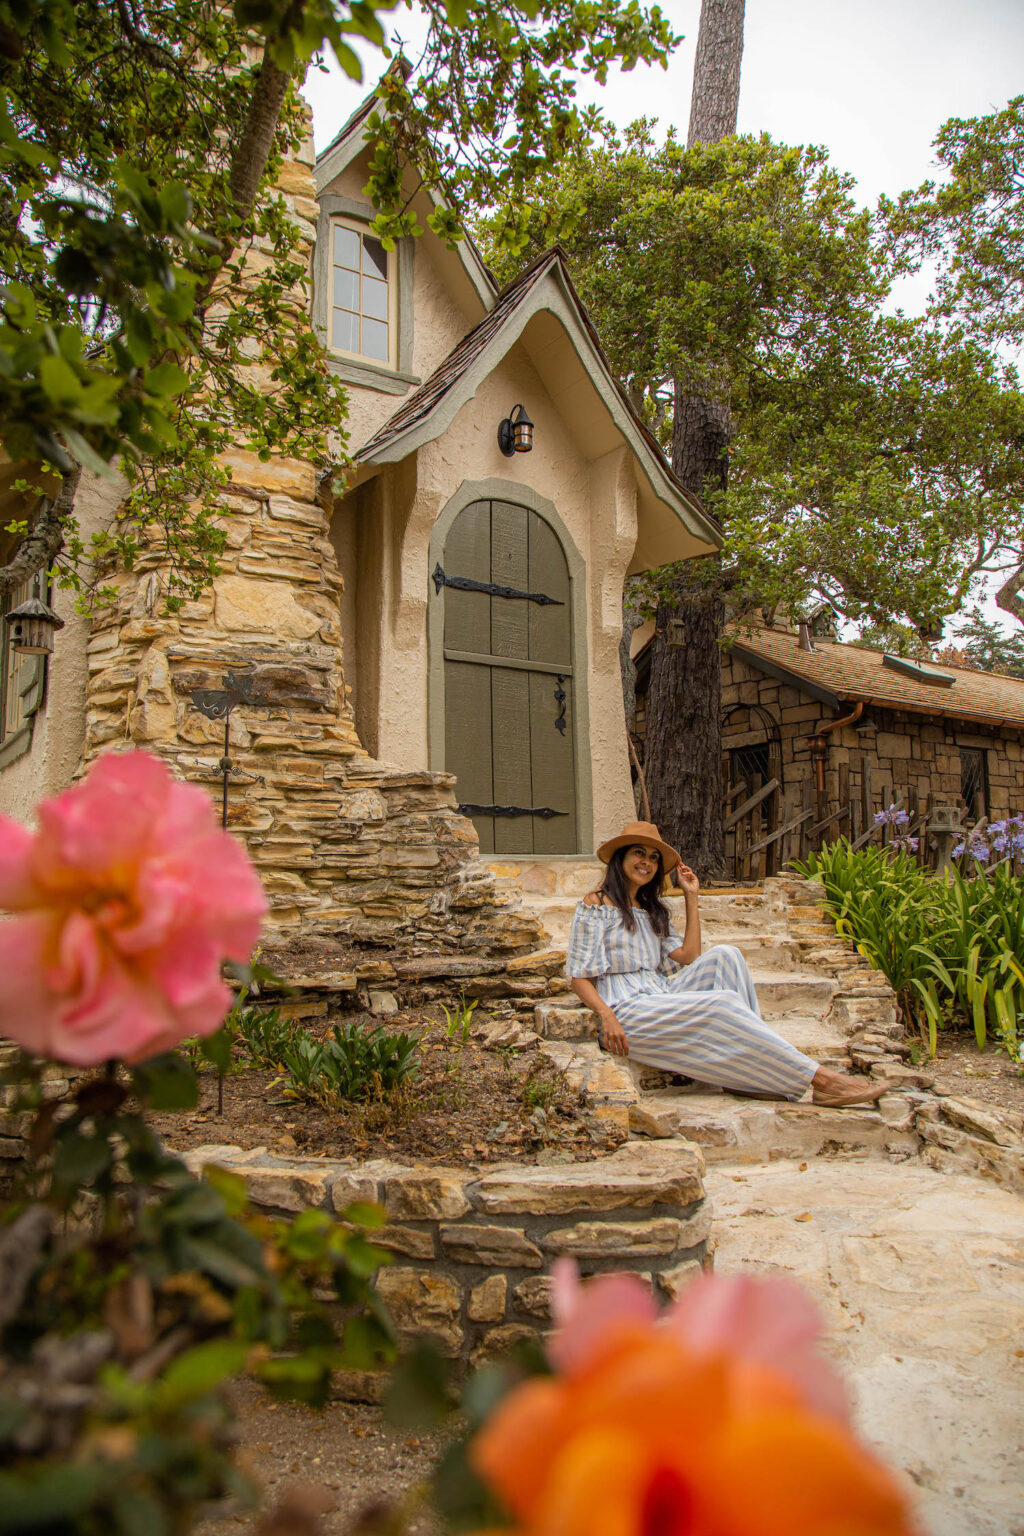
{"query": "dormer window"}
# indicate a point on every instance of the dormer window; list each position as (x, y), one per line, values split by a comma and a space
(364, 300)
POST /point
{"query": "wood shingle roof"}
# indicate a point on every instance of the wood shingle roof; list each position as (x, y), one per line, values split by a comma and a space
(835, 673)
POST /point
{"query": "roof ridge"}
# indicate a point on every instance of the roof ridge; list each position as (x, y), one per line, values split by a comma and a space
(505, 302)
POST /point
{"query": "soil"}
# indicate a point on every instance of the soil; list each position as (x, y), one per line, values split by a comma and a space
(962, 1070)
(338, 1467)
(471, 1106)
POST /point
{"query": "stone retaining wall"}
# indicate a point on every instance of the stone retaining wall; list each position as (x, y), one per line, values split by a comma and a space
(471, 1247)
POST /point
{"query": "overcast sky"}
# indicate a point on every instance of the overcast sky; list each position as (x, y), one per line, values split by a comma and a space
(871, 82)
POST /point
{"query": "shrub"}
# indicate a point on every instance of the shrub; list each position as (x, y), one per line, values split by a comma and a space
(353, 1063)
(951, 948)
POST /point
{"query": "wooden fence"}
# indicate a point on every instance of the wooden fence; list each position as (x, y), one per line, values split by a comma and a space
(761, 840)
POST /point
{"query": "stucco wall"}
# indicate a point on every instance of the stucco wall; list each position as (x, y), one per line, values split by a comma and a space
(595, 500)
(438, 323)
(58, 728)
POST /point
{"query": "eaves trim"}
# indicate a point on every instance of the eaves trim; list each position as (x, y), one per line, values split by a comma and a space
(549, 292)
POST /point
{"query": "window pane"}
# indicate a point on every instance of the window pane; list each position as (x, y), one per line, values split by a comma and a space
(375, 257)
(346, 288)
(375, 340)
(375, 299)
(346, 330)
(346, 247)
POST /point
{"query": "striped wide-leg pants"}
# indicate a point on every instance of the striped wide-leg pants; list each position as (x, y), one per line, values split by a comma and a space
(706, 1024)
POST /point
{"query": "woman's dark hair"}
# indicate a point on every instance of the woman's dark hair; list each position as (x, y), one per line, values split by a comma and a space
(616, 887)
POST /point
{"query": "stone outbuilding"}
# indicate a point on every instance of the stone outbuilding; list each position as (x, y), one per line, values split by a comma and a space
(455, 611)
(819, 736)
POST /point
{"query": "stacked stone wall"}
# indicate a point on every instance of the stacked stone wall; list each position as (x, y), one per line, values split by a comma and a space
(345, 845)
(470, 1248)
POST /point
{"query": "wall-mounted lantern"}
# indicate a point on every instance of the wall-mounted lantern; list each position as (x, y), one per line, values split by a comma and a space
(515, 433)
(32, 626)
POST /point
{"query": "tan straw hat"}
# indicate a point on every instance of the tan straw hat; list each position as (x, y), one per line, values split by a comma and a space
(640, 832)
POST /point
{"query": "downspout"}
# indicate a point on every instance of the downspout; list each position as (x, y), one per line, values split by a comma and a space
(819, 753)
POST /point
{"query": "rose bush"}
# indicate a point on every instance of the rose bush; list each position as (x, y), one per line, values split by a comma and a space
(125, 903)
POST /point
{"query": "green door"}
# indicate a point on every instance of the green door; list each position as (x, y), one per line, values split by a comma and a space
(508, 680)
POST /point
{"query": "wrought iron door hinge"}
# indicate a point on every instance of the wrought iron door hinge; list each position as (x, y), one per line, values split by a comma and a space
(543, 811)
(467, 584)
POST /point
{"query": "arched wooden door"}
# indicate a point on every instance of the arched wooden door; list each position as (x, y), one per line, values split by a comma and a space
(508, 678)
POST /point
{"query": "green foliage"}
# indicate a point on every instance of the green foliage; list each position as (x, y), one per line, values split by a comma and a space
(981, 643)
(972, 222)
(264, 1034)
(353, 1063)
(874, 461)
(459, 1021)
(896, 639)
(951, 948)
(136, 182)
(160, 1289)
(458, 1025)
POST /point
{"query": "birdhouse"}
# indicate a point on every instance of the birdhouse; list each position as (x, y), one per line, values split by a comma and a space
(31, 627)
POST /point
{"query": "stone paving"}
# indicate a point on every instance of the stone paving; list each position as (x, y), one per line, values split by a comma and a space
(892, 1218)
(920, 1277)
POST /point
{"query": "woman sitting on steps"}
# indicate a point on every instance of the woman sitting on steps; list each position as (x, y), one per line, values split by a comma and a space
(703, 1020)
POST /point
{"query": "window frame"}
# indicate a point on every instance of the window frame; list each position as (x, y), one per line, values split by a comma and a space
(982, 791)
(363, 233)
(395, 376)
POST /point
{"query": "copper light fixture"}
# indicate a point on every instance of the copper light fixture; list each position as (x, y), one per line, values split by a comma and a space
(515, 433)
(32, 627)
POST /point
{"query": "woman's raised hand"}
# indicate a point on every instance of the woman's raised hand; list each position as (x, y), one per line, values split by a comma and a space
(613, 1035)
(688, 880)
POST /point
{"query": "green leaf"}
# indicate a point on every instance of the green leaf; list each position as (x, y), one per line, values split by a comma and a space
(53, 1494)
(166, 379)
(167, 1082)
(60, 381)
(79, 1161)
(199, 1371)
(230, 1186)
(217, 1049)
(363, 1213)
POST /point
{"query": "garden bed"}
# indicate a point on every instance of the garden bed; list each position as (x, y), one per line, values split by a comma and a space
(991, 1077)
(465, 1104)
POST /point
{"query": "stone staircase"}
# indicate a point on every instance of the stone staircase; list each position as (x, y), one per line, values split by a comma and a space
(814, 989)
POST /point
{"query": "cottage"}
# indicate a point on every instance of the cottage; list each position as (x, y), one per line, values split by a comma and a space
(456, 610)
(819, 736)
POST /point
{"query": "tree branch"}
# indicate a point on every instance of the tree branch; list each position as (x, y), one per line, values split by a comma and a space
(249, 160)
(45, 538)
(1008, 597)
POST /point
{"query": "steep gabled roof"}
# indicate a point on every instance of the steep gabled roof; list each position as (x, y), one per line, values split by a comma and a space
(545, 285)
(349, 143)
(837, 674)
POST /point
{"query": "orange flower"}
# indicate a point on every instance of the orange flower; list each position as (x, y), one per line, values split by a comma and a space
(649, 1431)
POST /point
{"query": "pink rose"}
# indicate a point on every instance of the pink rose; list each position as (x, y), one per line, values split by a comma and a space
(125, 903)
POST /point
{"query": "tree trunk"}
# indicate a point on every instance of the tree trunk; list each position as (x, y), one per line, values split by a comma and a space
(683, 755)
(716, 72)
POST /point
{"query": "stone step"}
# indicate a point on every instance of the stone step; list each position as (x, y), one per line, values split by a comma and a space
(831, 1047)
(556, 914)
(801, 992)
(733, 1130)
(571, 876)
